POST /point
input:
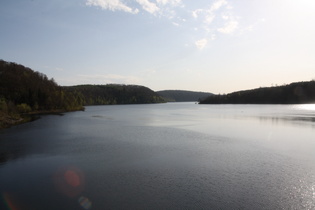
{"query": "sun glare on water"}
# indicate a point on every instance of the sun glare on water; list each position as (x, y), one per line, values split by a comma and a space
(310, 107)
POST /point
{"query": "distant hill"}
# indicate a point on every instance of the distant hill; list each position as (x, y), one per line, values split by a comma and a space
(294, 93)
(24, 91)
(182, 95)
(116, 94)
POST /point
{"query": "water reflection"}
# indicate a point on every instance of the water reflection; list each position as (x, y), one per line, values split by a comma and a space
(297, 120)
(178, 156)
(43, 182)
(6, 156)
(9, 152)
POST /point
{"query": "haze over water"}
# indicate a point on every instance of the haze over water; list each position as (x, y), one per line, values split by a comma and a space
(162, 156)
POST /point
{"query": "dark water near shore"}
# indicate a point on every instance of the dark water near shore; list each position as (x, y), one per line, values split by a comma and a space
(162, 156)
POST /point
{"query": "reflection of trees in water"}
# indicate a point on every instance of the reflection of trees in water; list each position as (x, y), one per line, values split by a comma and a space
(9, 151)
(300, 120)
(6, 156)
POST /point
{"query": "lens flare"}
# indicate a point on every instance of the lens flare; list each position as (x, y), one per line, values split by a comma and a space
(9, 201)
(72, 178)
(85, 202)
(69, 181)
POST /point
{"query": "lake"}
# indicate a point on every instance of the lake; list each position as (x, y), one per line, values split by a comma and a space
(162, 156)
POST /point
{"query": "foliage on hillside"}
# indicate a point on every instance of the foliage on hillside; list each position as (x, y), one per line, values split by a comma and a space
(182, 95)
(116, 94)
(23, 90)
(294, 93)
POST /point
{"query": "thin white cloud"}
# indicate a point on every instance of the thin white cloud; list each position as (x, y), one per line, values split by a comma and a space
(171, 2)
(214, 7)
(112, 5)
(200, 44)
(209, 14)
(164, 8)
(217, 5)
(218, 18)
(229, 27)
(106, 79)
(169, 8)
(175, 24)
(148, 6)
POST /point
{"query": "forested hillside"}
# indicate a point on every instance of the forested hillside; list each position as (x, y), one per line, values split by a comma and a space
(182, 95)
(116, 94)
(23, 90)
(294, 93)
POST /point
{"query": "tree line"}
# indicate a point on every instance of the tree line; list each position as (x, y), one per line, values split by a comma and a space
(116, 94)
(182, 95)
(294, 93)
(24, 91)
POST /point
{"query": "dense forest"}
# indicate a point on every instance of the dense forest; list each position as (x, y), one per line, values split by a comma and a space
(294, 93)
(182, 95)
(116, 94)
(23, 90)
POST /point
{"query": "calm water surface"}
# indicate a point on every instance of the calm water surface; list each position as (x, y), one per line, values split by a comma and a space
(162, 156)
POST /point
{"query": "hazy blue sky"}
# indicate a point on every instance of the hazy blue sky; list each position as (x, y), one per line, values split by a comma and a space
(203, 45)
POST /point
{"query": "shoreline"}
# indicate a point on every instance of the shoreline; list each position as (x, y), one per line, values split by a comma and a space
(7, 120)
(10, 120)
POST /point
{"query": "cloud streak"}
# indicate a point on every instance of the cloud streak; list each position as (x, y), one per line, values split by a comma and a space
(148, 6)
(161, 7)
(112, 5)
(208, 22)
(209, 14)
(217, 5)
(171, 2)
(107, 79)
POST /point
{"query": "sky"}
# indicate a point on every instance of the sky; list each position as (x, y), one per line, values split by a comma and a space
(217, 46)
